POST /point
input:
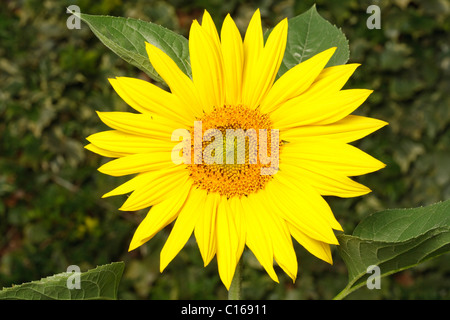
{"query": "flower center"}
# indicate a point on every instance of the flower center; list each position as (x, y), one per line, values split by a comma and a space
(235, 149)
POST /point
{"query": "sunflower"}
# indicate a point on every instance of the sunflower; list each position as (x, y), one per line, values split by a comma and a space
(301, 121)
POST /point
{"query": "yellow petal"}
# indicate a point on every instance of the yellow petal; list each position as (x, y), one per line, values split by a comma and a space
(145, 97)
(126, 144)
(159, 216)
(324, 110)
(302, 208)
(183, 227)
(209, 26)
(318, 248)
(326, 182)
(253, 43)
(259, 77)
(233, 59)
(159, 186)
(327, 83)
(296, 80)
(178, 82)
(205, 229)
(259, 239)
(135, 183)
(283, 250)
(227, 242)
(104, 152)
(207, 67)
(331, 80)
(139, 124)
(348, 129)
(137, 163)
(238, 213)
(330, 155)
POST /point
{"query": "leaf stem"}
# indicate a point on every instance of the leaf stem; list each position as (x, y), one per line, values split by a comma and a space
(341, 295)
(234, 293)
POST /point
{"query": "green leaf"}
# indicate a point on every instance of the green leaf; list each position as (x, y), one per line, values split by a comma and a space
(99, 283)
(126, 37)
(394, 240)
(310, 34)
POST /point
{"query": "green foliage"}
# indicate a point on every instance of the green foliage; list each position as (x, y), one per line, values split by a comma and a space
(127, 37)
(54, 79)
(394, 240)
(97, 284)
(310, 34)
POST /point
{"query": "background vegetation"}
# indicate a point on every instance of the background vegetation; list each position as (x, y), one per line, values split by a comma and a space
(52, 80)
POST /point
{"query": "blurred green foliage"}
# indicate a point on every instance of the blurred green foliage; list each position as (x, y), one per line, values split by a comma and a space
(54, 79)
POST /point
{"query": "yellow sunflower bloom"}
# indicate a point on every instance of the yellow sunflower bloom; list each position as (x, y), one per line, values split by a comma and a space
(298, 126)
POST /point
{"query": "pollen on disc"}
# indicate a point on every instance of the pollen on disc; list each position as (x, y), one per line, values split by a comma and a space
(242, 175)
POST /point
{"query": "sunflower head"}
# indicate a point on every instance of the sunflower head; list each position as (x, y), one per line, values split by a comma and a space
(259, 152)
